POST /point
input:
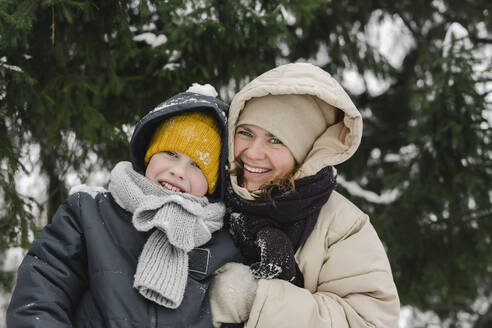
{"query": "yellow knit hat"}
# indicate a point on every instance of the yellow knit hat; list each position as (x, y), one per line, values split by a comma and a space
(194, 134)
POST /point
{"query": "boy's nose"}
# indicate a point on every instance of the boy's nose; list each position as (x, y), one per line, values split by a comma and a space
(178, 171)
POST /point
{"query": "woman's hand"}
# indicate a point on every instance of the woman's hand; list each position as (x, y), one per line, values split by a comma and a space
(277, 259)
(232, 292)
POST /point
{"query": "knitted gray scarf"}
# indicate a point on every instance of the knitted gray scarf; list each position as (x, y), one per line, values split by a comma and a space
(182, 222)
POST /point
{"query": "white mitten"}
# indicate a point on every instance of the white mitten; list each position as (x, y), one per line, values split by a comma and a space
(232, 292)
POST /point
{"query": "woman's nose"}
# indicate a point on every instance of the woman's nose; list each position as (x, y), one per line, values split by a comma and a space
(256, 150)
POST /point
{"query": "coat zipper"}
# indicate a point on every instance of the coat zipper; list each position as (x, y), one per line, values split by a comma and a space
(153, 316)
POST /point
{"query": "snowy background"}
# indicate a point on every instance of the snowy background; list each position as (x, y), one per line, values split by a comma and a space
(393, 41)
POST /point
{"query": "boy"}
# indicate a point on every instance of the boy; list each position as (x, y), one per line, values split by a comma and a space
(141, 254)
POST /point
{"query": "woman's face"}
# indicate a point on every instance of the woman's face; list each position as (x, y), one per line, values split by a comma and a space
(262, 155)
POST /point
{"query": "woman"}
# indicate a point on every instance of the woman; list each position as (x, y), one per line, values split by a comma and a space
(315, 259)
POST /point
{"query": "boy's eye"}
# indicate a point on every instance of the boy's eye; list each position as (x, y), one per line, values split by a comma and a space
(194, 164)
(171, 153)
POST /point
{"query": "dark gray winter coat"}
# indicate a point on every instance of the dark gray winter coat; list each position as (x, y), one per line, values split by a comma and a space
(79, 271)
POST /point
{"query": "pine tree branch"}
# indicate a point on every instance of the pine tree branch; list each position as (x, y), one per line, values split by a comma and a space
(407, 23)
(476, 39)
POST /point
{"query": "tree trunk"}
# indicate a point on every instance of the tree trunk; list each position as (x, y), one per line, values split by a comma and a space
(57, 192)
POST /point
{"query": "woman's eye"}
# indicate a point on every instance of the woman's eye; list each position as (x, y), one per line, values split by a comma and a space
(276, 141)
(244, 133)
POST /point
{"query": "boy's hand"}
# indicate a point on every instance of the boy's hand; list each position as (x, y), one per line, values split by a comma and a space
(232, 292)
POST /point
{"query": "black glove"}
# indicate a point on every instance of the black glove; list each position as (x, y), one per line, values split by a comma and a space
(276, 257)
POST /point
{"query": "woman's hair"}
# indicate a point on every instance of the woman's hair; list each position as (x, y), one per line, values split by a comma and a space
(283, 184)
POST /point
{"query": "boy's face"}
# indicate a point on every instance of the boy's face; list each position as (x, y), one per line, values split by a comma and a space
(177, 172)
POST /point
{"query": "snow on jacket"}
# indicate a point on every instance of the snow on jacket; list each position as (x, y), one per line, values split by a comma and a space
(347, 276)
(79, 272)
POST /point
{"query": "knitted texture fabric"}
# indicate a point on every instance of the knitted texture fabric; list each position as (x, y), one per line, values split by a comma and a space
(232, 293)
(181, 221)
(269, 233)
(300, 119)
(195, 135)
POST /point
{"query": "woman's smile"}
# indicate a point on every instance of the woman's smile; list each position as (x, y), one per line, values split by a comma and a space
(252, 169)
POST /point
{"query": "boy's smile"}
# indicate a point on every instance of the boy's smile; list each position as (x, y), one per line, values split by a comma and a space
(177, 172)
(170, 186)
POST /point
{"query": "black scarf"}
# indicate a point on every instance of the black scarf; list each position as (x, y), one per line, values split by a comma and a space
(269, 232)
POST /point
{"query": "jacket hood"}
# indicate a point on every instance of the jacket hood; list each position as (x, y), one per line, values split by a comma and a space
(338, 142)
(179, 104)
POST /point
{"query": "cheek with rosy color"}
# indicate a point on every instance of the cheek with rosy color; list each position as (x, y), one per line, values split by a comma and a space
(198, 184)
(284, 163)
(238, 147)
(156, 164)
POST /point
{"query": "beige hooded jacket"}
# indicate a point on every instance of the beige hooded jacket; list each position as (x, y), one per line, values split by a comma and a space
(347, 276)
